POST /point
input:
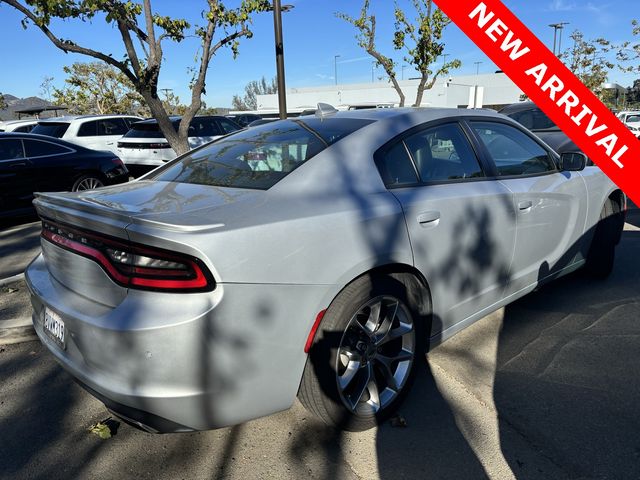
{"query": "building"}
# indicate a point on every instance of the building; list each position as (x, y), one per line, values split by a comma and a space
(492, 90)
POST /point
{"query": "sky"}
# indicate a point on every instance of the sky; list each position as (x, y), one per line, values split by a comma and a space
(313, 36)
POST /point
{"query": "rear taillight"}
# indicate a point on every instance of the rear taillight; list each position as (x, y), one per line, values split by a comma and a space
(132, 265)
(116, 161)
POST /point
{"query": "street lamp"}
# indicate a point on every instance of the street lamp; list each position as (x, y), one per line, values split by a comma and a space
(277, 28)
(335, 68)
(477, 64)
(556, 27)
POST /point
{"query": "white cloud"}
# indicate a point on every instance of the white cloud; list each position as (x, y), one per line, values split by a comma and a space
(562, 6)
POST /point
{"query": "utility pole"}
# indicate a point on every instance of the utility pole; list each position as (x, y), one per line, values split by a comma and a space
(335, 67)
(477, 64)
(556, 27)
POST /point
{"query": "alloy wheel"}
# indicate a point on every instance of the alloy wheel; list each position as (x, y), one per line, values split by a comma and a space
(375, 356)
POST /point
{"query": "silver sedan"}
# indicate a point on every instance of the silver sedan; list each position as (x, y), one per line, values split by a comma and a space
(316, 258)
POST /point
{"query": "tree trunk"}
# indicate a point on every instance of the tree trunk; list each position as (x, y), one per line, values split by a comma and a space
(420, 93)
(396, 85)
(179, 143)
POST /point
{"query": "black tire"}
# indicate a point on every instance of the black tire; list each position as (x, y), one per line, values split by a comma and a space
(601, 255)
(88, 181)
(345, 343)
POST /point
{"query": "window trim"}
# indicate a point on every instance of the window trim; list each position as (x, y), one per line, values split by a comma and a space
(468, 120)
(378, 154)
(69, 149)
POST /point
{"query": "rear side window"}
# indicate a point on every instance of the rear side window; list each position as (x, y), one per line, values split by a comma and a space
(111, 126)
(396, 168)
(258, 158)
(36, 148)
(24, 129)
(11, 148)
(513, 152)
(443, 153)
(228, 126)
(51, 129)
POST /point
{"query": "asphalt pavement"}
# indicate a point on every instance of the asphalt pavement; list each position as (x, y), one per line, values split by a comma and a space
(546, 388)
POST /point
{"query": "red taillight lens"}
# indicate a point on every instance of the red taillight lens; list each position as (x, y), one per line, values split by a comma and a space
(132, 265)
(117, 161)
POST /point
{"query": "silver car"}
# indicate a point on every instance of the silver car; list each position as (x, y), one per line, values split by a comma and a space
(315, 258)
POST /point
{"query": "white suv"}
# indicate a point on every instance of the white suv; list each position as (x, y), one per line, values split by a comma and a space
(18, 126)
(145, 147)
(632, 120)
(97, 132)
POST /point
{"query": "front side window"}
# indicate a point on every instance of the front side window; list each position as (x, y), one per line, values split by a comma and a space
(513, 152)
(227, 126)
(443, 153)
(258, 158)
(11, 149)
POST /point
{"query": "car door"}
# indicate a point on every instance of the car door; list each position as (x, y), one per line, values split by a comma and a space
(550, 205)
(16, 187)
(460, 223)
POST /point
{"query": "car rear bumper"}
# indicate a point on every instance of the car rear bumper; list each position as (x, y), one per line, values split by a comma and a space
(180, 362)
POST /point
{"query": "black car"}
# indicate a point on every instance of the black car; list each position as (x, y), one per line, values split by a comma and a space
(36, 163)
(244, 119)
(529, 115)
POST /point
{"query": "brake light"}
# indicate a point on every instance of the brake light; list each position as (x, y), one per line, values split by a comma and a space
(116, 161)
(132, 265)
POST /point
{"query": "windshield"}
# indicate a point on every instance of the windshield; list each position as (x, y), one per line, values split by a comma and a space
(51, 129)
(533, 119)
(258, 158)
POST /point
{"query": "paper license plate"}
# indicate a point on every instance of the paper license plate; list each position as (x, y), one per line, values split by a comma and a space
(54, 327)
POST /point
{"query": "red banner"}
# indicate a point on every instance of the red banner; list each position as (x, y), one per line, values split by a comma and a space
(552, 87)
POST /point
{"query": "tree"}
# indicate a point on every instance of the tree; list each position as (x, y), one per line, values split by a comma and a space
(45, 87)
(628, 53)
(251, 91)
(366, 38)
(3, 103)
(100, 88)
(588, 60)
(420, 41)
(143, 32)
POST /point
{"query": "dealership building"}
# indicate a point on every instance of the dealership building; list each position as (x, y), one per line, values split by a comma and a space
(493, 90)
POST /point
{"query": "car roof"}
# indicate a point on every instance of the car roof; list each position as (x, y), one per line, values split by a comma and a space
(6, 123)
(424, 113)
(70, 118)
(174, 118)
(46, 138)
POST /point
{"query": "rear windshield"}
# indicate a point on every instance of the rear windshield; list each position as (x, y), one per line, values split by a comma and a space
(258, 158)
(51, 129)
(148, 130)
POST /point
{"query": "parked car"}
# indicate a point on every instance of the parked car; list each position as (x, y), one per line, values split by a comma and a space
(632, 120)
(531, 117)
(145, 147)
(244, 119)
(18, 126)
(97, 132)
(315, 257)
(35, 163)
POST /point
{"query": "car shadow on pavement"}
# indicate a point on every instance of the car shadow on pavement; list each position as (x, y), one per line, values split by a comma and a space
(568, 373)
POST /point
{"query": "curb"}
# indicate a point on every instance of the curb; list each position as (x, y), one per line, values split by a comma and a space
(23, 331)
(13, 278)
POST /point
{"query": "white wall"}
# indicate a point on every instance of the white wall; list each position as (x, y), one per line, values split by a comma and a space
(497, 90)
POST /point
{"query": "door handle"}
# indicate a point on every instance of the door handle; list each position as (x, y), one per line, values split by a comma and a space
(428, 219)
(525, 205)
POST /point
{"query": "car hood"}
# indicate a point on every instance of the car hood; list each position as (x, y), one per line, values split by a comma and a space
(174, 206)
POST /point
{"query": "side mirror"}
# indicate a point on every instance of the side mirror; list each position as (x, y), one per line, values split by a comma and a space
(573, 161)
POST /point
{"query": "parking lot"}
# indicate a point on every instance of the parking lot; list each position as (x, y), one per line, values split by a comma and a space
(547, 387)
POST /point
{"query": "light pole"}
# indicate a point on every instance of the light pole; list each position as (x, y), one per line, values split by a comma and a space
(277, 28)
(403, 67)
(335, 68)
(477, 64)
(444, 58)
(556, 27)
(373, 70)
